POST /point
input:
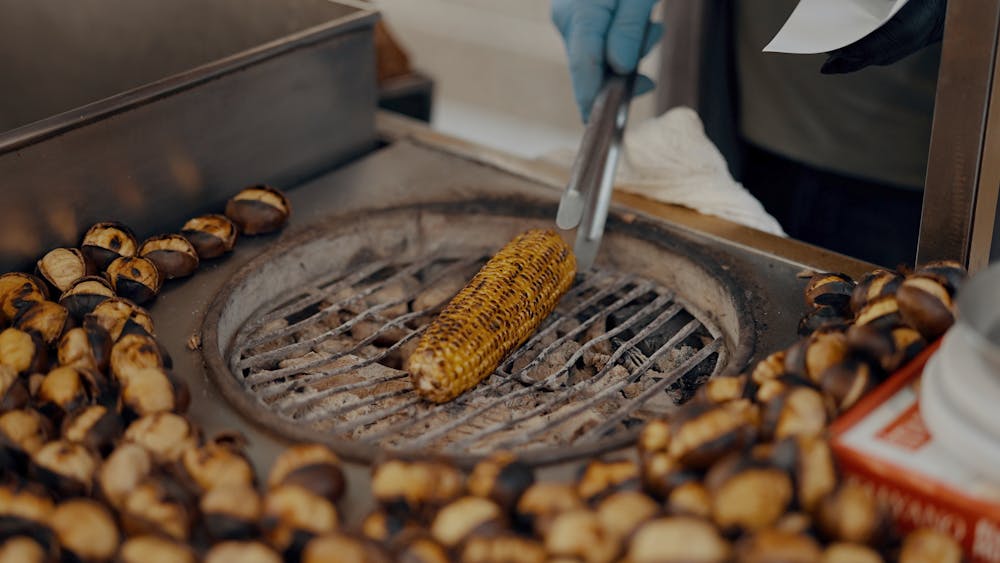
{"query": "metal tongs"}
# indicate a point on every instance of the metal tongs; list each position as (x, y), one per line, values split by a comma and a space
(585, 202)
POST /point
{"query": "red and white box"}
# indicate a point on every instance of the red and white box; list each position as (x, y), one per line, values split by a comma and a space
(882, 443)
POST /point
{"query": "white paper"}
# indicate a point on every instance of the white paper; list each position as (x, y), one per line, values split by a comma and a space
(820, 26)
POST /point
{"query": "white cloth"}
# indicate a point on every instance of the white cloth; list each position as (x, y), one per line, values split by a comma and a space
(670, 159)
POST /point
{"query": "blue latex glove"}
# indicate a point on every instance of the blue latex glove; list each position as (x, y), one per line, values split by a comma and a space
(918, 24)
(602, 34)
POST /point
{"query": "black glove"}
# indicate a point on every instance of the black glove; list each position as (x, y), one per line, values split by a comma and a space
(918, 24)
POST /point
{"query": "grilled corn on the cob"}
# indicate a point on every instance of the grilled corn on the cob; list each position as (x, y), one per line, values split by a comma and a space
(493, 315)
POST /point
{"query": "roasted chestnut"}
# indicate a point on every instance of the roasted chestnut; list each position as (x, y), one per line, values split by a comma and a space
(66, 389)
(292, 515)
(85, 347)
(28, 503)
(420, 548)
(948, 273)
(18, 292)
(796, 411)
(211, 235)
(459, 519)
(881, 313)
(888, 348)
(96, 427)
(810, 462)
(85, 529)
(852, 514)
(771, 367)
(343, 548)
(105, 242)
(501, 478)
(384, 526)
(768, 546)
(151, 390)
(542, 502)
(63, 266)
(165, 435)
(502, 548)
(926, 545)
(578, 534)
(173, 255)
(123, 470)
(417, 487)
(13, 390)
(231, 512)
(159, 505)
(258, 209)
(847, 382)
(24, 549)
(810, 356)
(602, 478)
(873, 285)
(748, 494)
(841, 552)
(241, 552)
(830, 290)
(925, 305)
(690, 498)
(22, 433)
(823, 318)
(220, 462)
(154, 549)
(23, 351)
(723, 389)
(312, 466)
(678, 539)
(622, 513)
(65, 467)
(703, 434)
(114, 315)
(661, 473)
(135, 278)
(133, 353)
(85, 294)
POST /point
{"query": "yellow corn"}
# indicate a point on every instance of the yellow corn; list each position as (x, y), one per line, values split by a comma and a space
(494, 314)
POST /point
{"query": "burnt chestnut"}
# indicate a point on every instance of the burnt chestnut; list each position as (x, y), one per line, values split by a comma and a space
(243, 552)
(810, 356)
(133, 353)
(159, 505)
(418, 487)
(768, 546)
(344, 548)
(154, 549)
(46, 319)
(85, 294)
(852, 514)
(231, 512)
(602, 478)
(847, 382)
(85, 347)
(703, 434)
(690, 498)
(164, 435)
(927, 545)
(312, 466)
(122, 471)
(115, 314)
(542, 502)
(210, 235)
(85, 529)
(135, 278)
(747, 494)
(678, 539)
(19, 291)
(578, 534)
(873, 285)
(795, 411)
(460, 518)
(501, 478)
(23, 351)
(502, 548)
(830, 290)
(258, 210)
(823, 318)
(104, 242)
(926, 306)
(219, 462)
(173, 255)
(623, 512)
(841, 552)
(65, 467)
(291, 515)
(63, 266)
(147, 391)
(96, 427)
(13, 390)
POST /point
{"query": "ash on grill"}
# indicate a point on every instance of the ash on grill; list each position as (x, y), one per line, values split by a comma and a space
(618, 350)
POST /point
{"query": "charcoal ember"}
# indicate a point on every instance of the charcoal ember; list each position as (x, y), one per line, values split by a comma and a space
(552, 363)
(379, 331)
(682, 390)
(272, 343)
(334, 345)
(593, 334)
(438, 293)
(596, 360)
(398, 292)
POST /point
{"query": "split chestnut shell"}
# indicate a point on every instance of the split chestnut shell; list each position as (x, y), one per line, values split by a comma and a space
(258, 210)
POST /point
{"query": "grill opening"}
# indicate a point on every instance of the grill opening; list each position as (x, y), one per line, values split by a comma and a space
(325, 354)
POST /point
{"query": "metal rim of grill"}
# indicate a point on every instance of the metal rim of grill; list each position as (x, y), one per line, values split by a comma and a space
(322, 360)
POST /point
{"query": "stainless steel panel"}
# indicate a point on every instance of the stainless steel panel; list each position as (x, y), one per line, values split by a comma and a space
(963, 174)
(253, 91)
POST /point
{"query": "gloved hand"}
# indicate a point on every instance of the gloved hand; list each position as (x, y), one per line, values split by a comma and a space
(601, 34)
(916, 25)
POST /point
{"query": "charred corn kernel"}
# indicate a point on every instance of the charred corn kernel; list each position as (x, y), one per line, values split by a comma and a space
(493, 315)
